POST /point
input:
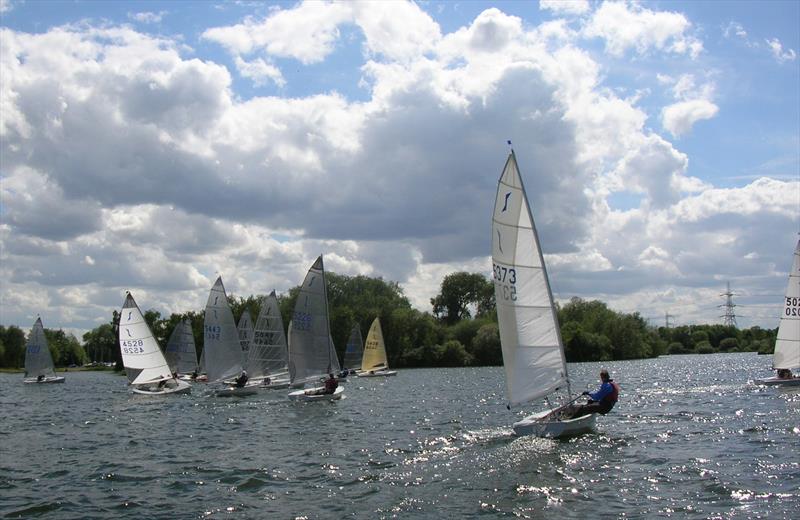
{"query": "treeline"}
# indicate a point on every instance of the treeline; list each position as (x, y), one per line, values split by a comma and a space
(461, 330)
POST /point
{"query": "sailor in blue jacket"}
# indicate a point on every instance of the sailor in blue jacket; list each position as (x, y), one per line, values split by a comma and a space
(600, 401)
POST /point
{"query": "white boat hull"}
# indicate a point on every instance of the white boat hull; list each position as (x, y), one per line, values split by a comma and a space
(181, 387)
(775, 381)
(236, 391)
(310, 395)
(539, 426)
(378, 373)
(55, 379)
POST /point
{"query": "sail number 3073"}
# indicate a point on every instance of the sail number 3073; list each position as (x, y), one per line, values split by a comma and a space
(506, 278)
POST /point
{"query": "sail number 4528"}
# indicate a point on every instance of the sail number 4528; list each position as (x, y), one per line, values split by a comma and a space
(506, 278)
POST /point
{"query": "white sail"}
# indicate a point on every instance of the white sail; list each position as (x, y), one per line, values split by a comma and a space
(245, 328)
(354, 351)
(180, 352)
(310, 343)
(787, 345)
(223, 353)
(144, 363)
(334, 357)
(531, 341)
(38, 359)
(374, 349)
(268, 352)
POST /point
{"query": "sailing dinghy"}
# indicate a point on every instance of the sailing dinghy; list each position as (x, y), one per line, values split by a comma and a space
(267, 361)
(311, 353)
(353, 352)
(39, 367)
(221, 344)
(180, 352)
(146, 367)
(787, 345)
(533, 354)
(374, 363)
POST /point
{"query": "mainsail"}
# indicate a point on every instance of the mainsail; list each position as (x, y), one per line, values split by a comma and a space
(245, 328)
(374, 349)
(180, 352)
(144, 363)
(531, 341)
(310, 344)
(787, 345)
(223, 353)
(268, 355)
(38, 360)
(354, 350)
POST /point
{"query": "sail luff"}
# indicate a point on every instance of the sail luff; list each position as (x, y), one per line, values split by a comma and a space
(787, 343)
(533, 352)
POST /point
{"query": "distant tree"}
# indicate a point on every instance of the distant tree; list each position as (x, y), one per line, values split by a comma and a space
(13, 339)
(704, 347)
(486, 348)
(729, 345)
(100, 343)
(453, 354)
(459, 292)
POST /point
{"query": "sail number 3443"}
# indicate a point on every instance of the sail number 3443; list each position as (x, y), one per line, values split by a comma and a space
(505, 279)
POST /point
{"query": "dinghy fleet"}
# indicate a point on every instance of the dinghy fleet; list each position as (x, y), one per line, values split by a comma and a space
(244, 358)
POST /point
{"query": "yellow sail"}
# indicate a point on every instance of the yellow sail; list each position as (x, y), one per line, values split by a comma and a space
(374, 349)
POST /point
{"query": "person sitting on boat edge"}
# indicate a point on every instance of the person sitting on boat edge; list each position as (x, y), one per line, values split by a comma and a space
(784, 373)
(601, 401)
(331, 384)
(241, 380)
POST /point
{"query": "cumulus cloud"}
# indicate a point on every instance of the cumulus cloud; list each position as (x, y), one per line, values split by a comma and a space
(147, 16)
(155, 176)
(629, 25)
(694, 104)
(6, 6)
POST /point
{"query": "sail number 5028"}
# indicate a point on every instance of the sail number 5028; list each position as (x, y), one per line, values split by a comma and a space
(506, 278)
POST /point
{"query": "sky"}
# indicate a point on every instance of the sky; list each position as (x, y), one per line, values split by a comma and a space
(153, 146)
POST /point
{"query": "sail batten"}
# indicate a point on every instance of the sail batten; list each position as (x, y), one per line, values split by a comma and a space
(529, 335)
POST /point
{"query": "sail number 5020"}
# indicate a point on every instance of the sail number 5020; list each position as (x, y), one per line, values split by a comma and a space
(506, 278)
(792, 307)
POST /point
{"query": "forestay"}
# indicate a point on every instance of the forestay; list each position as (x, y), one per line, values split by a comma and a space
(787, 345)
(310, 344)
(180, 352)
(374, 349)
(144, 363)
(223, 353)
(38, 360)
(531, 342)
(268, 355)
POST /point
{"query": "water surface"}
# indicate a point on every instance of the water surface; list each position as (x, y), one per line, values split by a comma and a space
(692, 437)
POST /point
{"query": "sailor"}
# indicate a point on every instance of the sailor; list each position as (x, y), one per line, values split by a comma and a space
(331, 384)
(600, 401)
(242, 379)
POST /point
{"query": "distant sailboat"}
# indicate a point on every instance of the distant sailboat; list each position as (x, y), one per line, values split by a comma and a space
(39, 367)
(267, 363)
(353, 352)
(787, 345)
(533, 353)
(221, 343)
(374, 362)
(245, 328)
(146, 367)
(311, 352)
(180, 352)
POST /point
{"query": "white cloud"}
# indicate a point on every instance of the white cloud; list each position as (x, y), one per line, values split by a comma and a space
(694, 104)
(260, 72)
(6, 6)
(628, 25)
(779, 53)
(565, 6)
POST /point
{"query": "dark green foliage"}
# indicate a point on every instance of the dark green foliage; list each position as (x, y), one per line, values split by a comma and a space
(486, 349)
(459, 292)
(13, 340)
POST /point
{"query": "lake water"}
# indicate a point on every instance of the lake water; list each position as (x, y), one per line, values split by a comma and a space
(692, 437)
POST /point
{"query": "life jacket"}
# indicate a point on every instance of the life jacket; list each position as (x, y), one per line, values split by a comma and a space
(614, 395)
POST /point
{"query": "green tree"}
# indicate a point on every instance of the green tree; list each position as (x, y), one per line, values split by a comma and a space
(14, 346)
(486, 348)
(460, 291)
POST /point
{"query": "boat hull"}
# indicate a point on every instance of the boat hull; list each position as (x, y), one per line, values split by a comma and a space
(538, 426)
(56, 379)
(378, 373)
(775, 381)
(307, 396)
(236, 391)
(181, 387)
